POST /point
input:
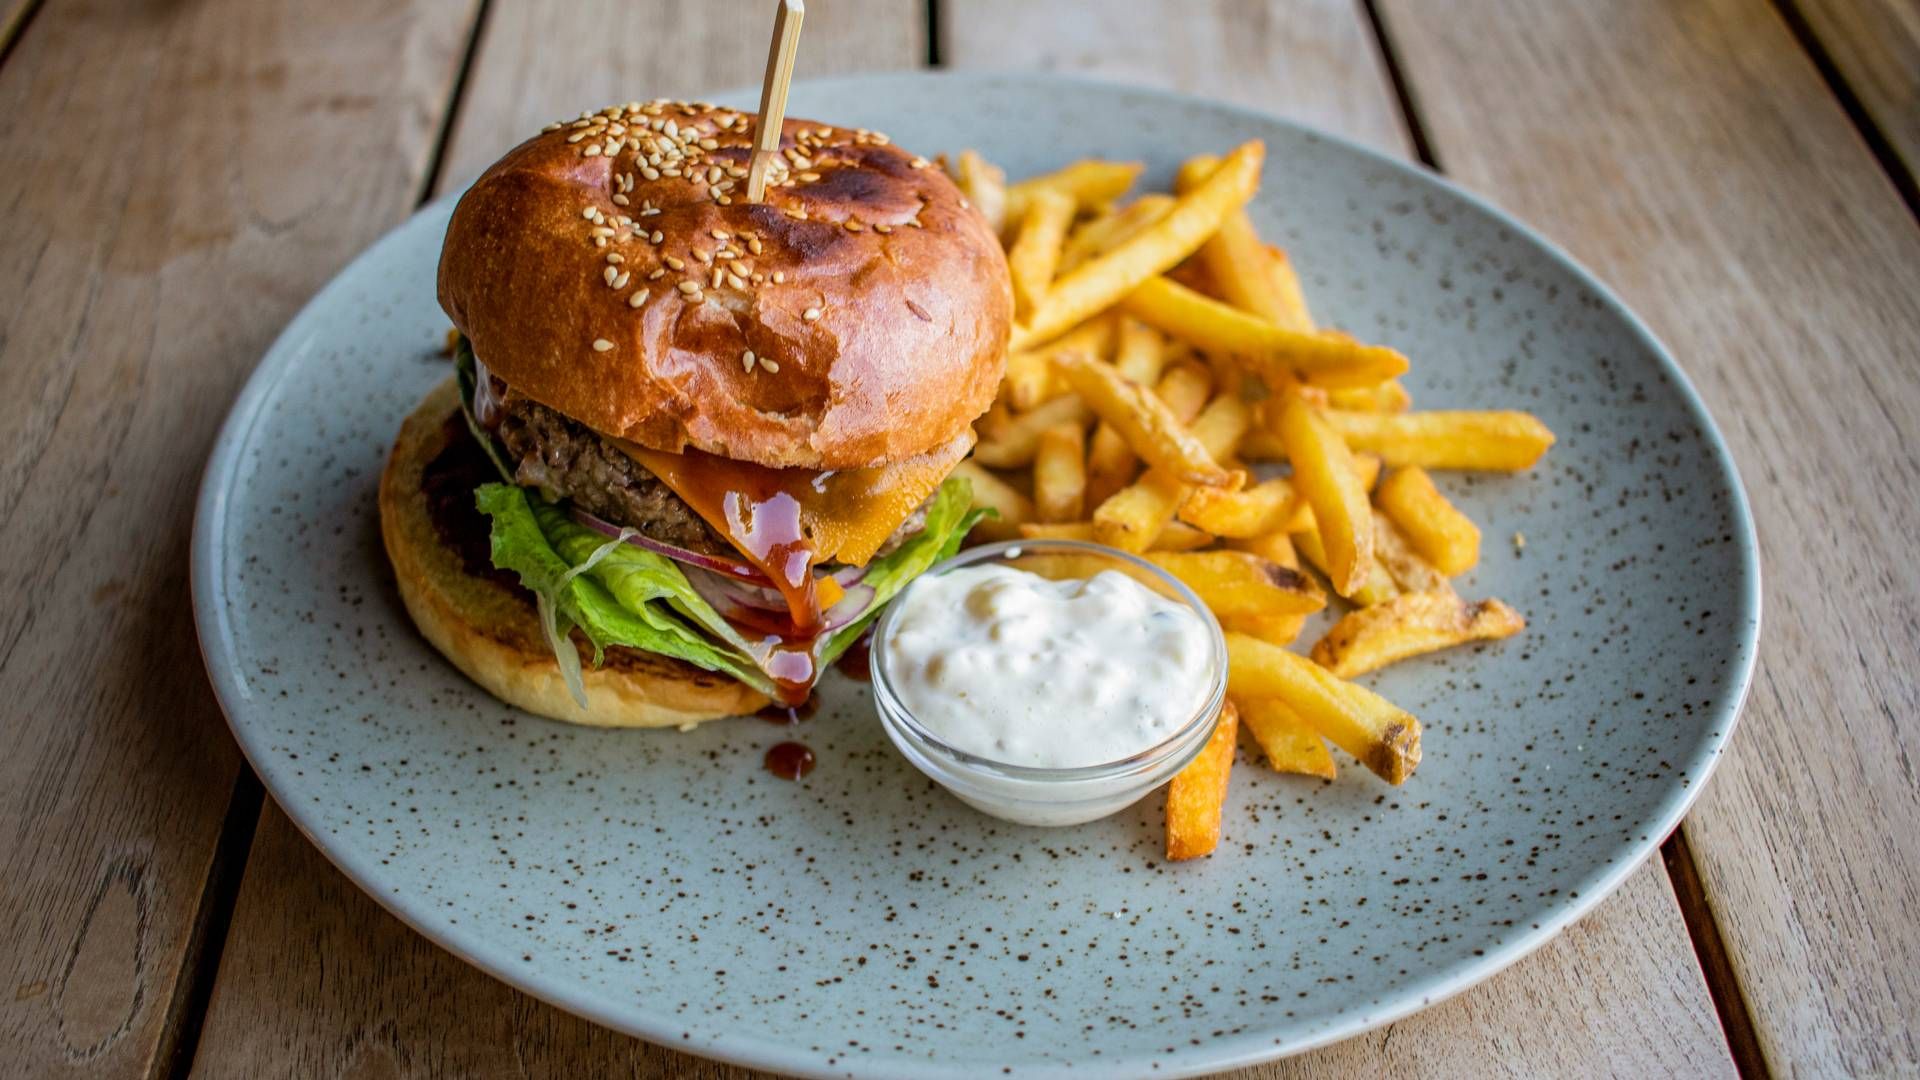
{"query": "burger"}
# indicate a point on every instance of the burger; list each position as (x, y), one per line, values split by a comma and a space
(694, 443)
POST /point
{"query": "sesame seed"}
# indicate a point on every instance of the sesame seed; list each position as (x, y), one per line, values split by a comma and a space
(591, 151)
(650, 211)
(719, 276)
(602, 230)
(601, 345)
(621, 281)
(709, 144)
(619, 199)
(735, 280)
(736, 172)
(883, 228)
(915, 222)
(809, 177)
(588, 213)
(689, 287)
(795, 213)
(920, 163)
(724, 253)
(656, 236)
(676, 263)
(658, 273)
(723, 200)
(555, 126)
(599, 241)
(802, 161)
(746, 359)
(769, 365)
(812, 314)
(615, 257)
(610, 273)
(650, 173)
(671, 170)
(698, 297)
(616, 129)
(576, 136)
(753, 245)
(721, 234)
(854, 226)
(638, 298)
(703, 257)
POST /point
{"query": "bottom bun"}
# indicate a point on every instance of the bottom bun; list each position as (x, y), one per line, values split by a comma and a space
(490, 630)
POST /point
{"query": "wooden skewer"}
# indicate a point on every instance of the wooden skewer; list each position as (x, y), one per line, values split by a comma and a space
(773, 94)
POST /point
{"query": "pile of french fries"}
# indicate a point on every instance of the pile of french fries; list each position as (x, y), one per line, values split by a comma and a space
(1161, 352)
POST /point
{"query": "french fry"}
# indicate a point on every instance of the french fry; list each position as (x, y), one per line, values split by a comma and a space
(1237, 264)
(1381, 735)
(1499, 441)
(1060, 473)
(1409, 625)
(1220, 425)
(993, 493)
(1132, 518)
(1139, 354)
(1056, 530)
(1323, 474)
(1290, 744)
(1148, 425)
(1386, 397)
(1098, 283)
(1197, 796)
(1272, 629)
(1261, 444)
(1104, 233)
(1394, 554)
(1379, 585)
(984, 185)
(1035, 253)
(1286, 284)
(1323, 358)
(1236, 583)
(1089, 183)
(1366, 469)
(1030, 379)
(1273, 546)
(1015, 444)
(1177, 537)
(1445, 536)
(1269, 507)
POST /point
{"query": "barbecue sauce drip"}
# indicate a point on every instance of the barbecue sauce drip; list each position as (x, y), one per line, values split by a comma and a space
(785, 522)
(759, 511)
(789, 760)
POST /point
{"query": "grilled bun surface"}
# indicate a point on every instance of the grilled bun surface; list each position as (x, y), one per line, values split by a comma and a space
(612, 269)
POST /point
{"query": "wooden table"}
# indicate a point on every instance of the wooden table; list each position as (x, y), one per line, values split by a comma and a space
(178, 176)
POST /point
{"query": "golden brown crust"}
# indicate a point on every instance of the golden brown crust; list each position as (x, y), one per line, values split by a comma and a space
(493, 635)
(906, 283)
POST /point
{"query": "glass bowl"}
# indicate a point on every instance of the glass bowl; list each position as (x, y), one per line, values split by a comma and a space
(1049, 796)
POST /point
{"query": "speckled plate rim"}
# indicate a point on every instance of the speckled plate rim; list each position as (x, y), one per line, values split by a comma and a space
(216, 634)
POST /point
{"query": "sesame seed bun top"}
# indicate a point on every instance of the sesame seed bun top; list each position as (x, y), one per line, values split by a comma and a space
(612, 268)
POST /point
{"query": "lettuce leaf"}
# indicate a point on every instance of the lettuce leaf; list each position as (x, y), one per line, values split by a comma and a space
(619, 594)
(522, 544)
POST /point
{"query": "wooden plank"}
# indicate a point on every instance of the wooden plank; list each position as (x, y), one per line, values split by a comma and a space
(344, 989)
(375, 996)
(1334, 80)
(1693, 157)
(540, 61)
(1875, 46)
(163, 222)
(1314, 61)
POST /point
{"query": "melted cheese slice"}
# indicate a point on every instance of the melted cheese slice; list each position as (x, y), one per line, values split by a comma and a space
(843, 515)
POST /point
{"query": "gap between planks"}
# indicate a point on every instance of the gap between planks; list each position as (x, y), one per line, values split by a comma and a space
(1683, 877)
(1843, 92)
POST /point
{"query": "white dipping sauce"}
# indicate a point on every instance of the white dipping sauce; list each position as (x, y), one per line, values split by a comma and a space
(1019, 669)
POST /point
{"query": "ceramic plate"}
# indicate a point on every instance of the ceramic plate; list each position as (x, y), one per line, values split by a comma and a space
(862, 922)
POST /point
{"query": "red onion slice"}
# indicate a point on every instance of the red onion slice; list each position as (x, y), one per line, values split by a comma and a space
(718, 564)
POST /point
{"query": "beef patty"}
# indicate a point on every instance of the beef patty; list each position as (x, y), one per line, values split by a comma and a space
(567, 459)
